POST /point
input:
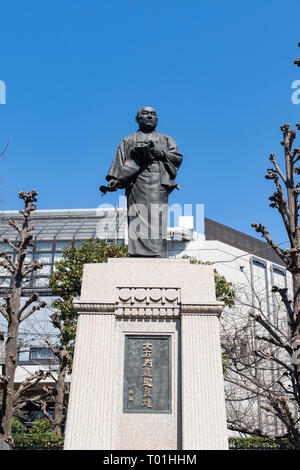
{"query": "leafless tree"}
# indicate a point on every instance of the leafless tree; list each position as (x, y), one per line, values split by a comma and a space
(262, 399)
(14, 314)
(54, 393)
(263, 352)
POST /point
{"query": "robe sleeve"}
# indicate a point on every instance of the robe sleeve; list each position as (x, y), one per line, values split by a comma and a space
(124, 166)
(173, 158)
(116, 167)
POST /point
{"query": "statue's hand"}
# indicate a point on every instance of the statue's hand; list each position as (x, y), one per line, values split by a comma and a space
(113, 184)
(143, 152)
(157, 152)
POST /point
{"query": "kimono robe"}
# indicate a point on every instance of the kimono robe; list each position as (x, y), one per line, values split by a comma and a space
(147, 185)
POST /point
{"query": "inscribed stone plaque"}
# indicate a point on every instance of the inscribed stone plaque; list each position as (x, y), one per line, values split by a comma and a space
(147, 374)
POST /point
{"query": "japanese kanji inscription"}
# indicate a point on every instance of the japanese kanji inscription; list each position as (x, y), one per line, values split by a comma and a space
(147, 374)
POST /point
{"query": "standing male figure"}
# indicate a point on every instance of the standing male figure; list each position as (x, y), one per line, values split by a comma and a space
(145, 164)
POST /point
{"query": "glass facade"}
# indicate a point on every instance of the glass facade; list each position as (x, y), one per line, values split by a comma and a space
(53, 231)
(47, 253)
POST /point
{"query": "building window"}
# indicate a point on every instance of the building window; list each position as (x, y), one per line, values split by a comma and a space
(40, 354)
(4, 282)
(59, 246)
(41, 282)
(5, 247)
(43, 246)
(45, 258)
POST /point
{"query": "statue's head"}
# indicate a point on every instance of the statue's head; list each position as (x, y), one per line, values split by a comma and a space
(147, 118)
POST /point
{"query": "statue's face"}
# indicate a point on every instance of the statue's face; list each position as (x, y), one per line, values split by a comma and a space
(147, 118)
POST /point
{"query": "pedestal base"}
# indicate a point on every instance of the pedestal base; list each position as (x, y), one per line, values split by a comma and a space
(147, 370)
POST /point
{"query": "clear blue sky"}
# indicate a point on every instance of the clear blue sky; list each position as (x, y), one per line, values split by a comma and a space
(218, 73)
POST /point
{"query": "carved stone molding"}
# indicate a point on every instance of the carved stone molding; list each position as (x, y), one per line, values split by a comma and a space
(93, 308)
(204, 309)
(147, 295)
(148, 302)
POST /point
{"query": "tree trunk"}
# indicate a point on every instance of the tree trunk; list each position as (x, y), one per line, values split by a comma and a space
(293, 233)
(11, 358)
(60, 396)
(10, 369)
(296, 326)
(11, 307)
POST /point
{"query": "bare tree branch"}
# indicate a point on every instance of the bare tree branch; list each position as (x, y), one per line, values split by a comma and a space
(280, 341)
(2, 152)
(32, 310)
(259, 228)
(15, 225)
(30, 382)
(4, 312)
(275, 163)
(33, 266)
(6, 240)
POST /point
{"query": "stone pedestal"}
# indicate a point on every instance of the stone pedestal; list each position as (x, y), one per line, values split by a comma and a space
(147, 370)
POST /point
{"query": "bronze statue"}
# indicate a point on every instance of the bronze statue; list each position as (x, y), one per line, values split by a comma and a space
(145, 164)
